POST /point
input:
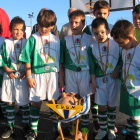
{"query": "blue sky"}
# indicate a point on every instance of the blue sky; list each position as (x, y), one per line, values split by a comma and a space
(24, 7)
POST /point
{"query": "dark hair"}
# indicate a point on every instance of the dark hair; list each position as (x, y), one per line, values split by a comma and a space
(99, 21)
(101, 4)
(15, 21)
(122, 29)
(0, 29)
(46, 18)
(78, 13)
(136, 9)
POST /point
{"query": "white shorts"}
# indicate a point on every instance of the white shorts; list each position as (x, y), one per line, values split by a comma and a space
(77, 82)
(46, 87)
(107, 93)
(15, 90)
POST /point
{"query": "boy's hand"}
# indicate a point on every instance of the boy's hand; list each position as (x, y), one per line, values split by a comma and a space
(10, 73)
(94, 86)
(116, 72)
(31, 82)
(61, 82)
(23, 74)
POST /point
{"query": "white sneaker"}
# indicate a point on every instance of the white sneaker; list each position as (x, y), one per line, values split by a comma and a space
(111, 134)
(101, 134)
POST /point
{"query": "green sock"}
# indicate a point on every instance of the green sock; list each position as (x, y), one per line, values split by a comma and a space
(53, 118)
(25, 114)
(85, 121)
(136, 127)
(34, 115)
(111, 118)
(103, 120)
(11, 115)
(130, 126)
(94, 109)
(3, 107)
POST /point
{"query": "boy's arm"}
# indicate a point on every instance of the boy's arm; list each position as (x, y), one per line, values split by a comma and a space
(92, 69)
(9, 71)
(61, 61)
(94, 85)
(61, 80)
(31, 82)
(116, 71)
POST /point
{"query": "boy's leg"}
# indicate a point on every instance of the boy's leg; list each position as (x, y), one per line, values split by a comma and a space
(130, 126)
(34, 115)
(25, 119)
(84, 123)
(11, 121)
(111, 122)
(136, 127)
(102, 114)
(94, 110)
(3, 107)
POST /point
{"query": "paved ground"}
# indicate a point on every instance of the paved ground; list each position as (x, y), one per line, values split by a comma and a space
(46, 125)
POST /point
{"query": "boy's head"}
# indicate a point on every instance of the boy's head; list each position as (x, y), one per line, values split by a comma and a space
(123, 32)
(17, 28)
(77, 21)
(100, 29)
(101, 9)
(136, 16)
(46, 20)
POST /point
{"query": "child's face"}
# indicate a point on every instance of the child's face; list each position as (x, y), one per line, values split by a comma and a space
(101, 33)
(125, 43)
(17, 31)
(136, 20)
(76, 25)
(103, 12)
(44, 31)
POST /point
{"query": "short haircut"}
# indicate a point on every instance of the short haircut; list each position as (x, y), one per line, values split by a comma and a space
(101, 4)
(136, 9)
(122, 29)
(46, 18)
(78, 13)
(15, 21)
(99, 21)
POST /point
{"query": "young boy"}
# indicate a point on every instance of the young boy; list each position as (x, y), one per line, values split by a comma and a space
(101, 9)
(103, 59)
(136, 20)
(123, 32)
(2, 104)
(41, 57)
(74, 59)
(14, 87)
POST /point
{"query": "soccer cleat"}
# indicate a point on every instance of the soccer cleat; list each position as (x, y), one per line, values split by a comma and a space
(31, 135)
(96, 127)
(8, 132)
(111, 134)
(26, 130)
(101, 134)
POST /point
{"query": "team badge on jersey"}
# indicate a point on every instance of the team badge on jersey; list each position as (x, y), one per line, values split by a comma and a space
(18, 46)
(129, 56)
(46, 41)
(77, 41)
(104, 49)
